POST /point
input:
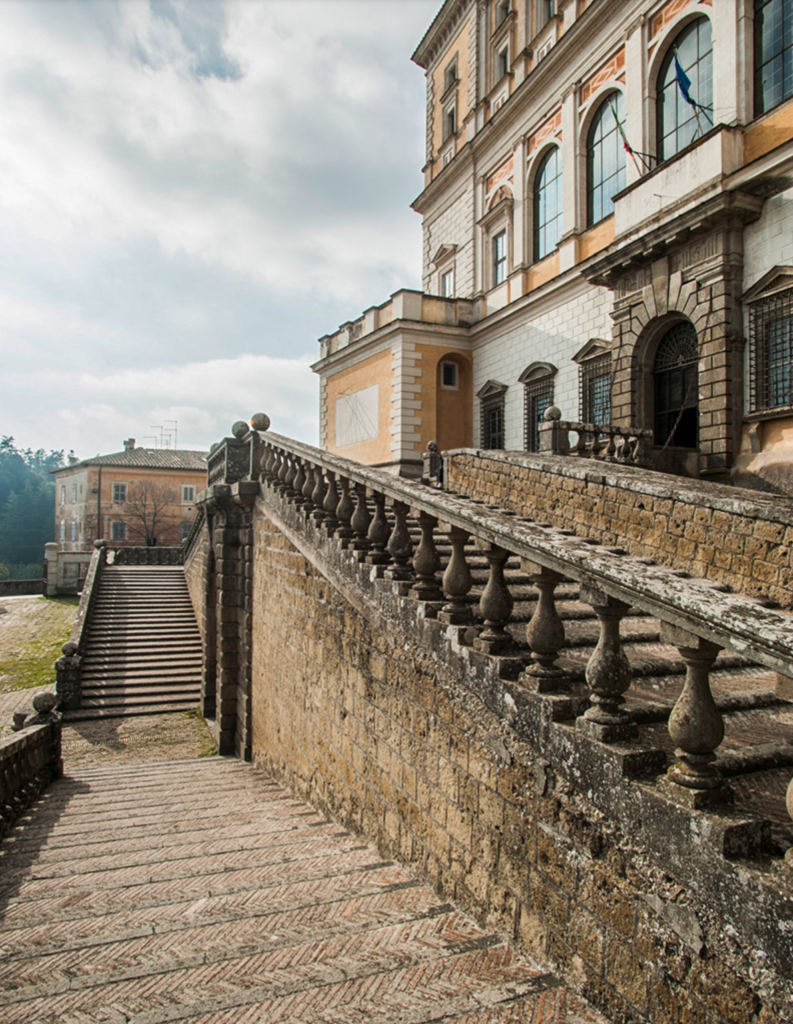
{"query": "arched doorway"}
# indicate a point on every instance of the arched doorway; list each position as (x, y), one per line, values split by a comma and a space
(676, 388)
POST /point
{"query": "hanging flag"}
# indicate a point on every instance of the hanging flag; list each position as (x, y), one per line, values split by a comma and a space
(684, 83)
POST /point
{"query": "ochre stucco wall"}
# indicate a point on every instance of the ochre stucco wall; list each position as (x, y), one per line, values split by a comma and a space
(374, 370)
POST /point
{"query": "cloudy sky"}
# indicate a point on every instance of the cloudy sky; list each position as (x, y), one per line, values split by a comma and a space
(192, 192)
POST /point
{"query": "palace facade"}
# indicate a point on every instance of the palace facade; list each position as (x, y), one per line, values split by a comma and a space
(608, 228)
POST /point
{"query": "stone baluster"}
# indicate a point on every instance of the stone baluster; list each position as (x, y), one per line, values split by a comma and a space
(400, 545)
(426, 562)
(695, 725)
(457, 582)
(344, 511)
(269, 463)
(789, 802)
(378, 532)
(283, 471)
(608, 673)
(67, 676)
(596, 445)
(299, 482)
(318, 495)
(308, 488)
(330, 503)
(291, 476)
(544, 633)
(495, 605)
(611, 447)
(360, 520)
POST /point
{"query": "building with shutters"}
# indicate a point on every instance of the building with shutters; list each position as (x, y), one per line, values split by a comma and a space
(131, 498)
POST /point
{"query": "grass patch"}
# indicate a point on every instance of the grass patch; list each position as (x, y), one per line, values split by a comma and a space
(207, 746)
(44, 636)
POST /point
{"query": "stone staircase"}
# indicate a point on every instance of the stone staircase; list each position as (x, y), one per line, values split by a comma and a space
(143, 649)
(756, 755)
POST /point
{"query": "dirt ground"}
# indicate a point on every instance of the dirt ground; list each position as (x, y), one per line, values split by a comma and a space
(140, 738)
(32, 630)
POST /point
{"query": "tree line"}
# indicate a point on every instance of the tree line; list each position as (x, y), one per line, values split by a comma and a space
(27, 508)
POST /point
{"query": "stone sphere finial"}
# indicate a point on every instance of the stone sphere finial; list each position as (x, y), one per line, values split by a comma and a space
(69, 649)
(44, 703)
(260, 421)
(432, 446)
(553, 412)
(240, 429)
(99, 544)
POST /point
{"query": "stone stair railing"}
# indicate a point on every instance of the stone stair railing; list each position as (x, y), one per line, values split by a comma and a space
(606, 442)
(699, 619)
(67, 667)
(143, 555)
(29, 759)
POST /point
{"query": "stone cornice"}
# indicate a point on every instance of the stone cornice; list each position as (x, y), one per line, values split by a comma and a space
(444, 25)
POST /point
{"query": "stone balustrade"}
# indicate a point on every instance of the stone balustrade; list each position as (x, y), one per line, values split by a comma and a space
(143, 555)
(29, 759)
(67, 667)
(606, 442)
(698, 618)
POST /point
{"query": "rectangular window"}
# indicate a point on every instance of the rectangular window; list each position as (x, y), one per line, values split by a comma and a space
(63, 529)
(63, 494)
(119, 492)
(492, 422)
(771, 352)
(449, 378)
(450, 121)
(74, 494)
(502, 63)
(119, 531)
(537, 398)
(74, 531)
(596, 390)
(499, 258)
(184, 531)
(547, 9)
(450, 75)
(188, 493)
(502, 10)
(447, 284)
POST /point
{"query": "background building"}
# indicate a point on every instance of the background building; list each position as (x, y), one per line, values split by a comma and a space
(608, 227)
(136, 497)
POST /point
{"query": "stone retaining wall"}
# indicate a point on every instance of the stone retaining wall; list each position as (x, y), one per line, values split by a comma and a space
(196, 560)
(355, 713)
(738, 537)
(21, 588)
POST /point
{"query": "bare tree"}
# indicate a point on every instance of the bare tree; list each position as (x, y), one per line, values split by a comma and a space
(152, 512)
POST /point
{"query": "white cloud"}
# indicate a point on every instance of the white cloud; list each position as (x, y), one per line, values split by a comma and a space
(214, 183)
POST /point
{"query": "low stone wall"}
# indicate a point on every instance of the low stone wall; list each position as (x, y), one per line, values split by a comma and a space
(737, 537)
(21, 588)
(196, 560)
(357, 704)
(29, 760)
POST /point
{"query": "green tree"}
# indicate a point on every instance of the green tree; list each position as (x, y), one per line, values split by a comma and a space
(27, 522)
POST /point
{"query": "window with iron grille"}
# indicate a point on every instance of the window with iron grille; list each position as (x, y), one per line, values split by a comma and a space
(537, 397)
(596, 390)
(492, 432)
(771, 352)
(773, 53)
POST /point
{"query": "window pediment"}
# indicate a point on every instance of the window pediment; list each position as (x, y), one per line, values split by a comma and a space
(536, 372)
(594, 347)
(502, 209)
(777, 279)
(491, 389)
(443, 254)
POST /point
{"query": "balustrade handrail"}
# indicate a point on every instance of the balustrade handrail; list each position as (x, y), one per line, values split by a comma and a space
(695, 606)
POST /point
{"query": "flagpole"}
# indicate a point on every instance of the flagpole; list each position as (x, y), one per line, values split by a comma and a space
(624, 138)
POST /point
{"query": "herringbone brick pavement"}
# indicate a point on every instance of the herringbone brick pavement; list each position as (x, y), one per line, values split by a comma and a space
(202, 892)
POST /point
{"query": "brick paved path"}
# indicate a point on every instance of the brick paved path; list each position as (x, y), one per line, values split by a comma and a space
(202, 892)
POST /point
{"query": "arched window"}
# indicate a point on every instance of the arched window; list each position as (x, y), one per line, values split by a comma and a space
(773, 53)
(548, 204)
(676, 387)
(678, 122)
(605, 158)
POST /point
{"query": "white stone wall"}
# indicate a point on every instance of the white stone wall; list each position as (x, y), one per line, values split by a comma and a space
(553, 335)
(453, 226)
(769, 241)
